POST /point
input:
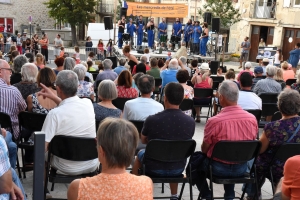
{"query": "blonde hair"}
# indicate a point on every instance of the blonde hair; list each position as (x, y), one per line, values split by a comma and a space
(205, 74)
(285, 65)
(39, 58)
(278, 75)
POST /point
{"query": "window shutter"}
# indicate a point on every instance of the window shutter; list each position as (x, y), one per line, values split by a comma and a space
(286, 3)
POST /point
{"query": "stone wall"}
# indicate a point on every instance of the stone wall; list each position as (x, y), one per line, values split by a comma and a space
(20, 10)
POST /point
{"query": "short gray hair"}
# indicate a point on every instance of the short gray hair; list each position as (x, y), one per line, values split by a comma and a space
(143, 59)
(122, 61)
(248, 65)
(229, 90)
(271, 70)
(107, 90)
(29, 72)
(183, 59)
(173, 64)
(146, 84)
(107, 64)
(289, 102)
(118, 139)
(19, 61)
(67, 81)
(69, 63)
(80, 70)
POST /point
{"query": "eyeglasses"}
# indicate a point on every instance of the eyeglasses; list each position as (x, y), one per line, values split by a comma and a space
(7, 69)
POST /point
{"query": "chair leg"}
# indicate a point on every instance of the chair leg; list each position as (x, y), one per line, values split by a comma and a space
(162, 188)
(256, 182)
(181, 191)
(18, 166)
(244, 190)
(52, 187)
(272, 180)
(191, 190)
(211, 183)
(23, 162)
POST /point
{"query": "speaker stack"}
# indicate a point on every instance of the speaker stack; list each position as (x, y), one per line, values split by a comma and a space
(215, 27)
(207, 18)
(108, 24)
(214, 65)
(123, 11)
(114, 61)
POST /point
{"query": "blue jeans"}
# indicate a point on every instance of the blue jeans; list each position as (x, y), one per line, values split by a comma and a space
(140, 38)
(12, 149)
(150, 38)
(120, 43)
(17, 181)
(222, 170)
(203, 46)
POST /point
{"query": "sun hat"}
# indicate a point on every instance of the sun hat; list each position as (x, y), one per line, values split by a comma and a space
(204, 66)
(265, 60)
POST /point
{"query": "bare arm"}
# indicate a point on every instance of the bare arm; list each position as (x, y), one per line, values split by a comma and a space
(264, 142)
(6, 182)
(133, 58)
(205, 147)
(46, 92)
(29, 103)
(73, 190)
(165, 66)
(144, 139)
(16, 193)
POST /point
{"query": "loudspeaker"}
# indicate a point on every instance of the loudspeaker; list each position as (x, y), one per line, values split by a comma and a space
(215, 26)
(140, 49)
(123, 11)
(108, 25)
(214, 65)
(207, 18)
(114, 61)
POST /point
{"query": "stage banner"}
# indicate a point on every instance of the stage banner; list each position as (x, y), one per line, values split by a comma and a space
(157, 10)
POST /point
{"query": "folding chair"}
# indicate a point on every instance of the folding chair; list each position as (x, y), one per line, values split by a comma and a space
(158, 83)
(120, 102)
(219, 79)
(234, 152)
(276, 116)
(72, 149)
(31, 122)
(169, 151)
(204, 93)
(189, 83)
(186, 104)
(5, 122)
(257, 114)
(289, 82)
(284, 152)
(95, 74)
(269, 106)
(96, 90)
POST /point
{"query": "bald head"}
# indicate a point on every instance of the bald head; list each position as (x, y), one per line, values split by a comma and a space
(229, 92)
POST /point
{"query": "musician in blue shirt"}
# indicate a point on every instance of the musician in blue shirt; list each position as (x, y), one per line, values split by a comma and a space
(177, 27)
(131, 29)
(139, 29)
(187, 32)
(196, 37)
(162, 28)
(150, 31)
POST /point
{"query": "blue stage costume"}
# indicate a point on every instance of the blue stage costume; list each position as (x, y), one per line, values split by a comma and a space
(131, 29)
(196, 41)
(187, 34)
(203, 44)
(150, 32)
(140, 26)
(177, 27)
(161, 26)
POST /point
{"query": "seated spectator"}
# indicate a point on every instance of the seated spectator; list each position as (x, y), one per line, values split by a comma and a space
(39, 61)
(69, 63)
(108, 73)
(124, 86)
(100, 67)
(142, 107)
(28, 84)
(19, 61)
(287, 73)
(194, 66)
(268, 85)
(265, 63)
(107, 91)
(258, 73)
(248, 100)
(248, 66)
(115, 156)
(275, 134)
(184, 63)
(169, 75)
(154, 71)
(155, 128)
(182, 76)
(279, 78)
(39, 104)
(59, 62)
(135, 79)
(230, 75)
(79, 114)
(85, 89)
(224, 126)
(160, 63)
(143, 61)
(30, 57)
(296, 86)
(90, 56)
(122, 67)
(90, 66)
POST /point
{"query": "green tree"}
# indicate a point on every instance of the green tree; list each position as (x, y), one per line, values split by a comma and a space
(223, 9)
(74, 12)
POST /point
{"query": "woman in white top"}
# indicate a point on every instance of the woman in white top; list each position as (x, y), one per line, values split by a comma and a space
(147, 54)
(278, 58)
(58, 43)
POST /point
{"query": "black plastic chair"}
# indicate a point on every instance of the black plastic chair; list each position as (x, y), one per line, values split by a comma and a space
(276, 116)
(284, 152)
(170, 151)
(139, 126)
(204, 93)
(219, 79)
(186, 104)
(257, 114)
(87, 79)
(31, 122)
(96, 90)
(234, 152)
(269, 106)
(289, 82)
(72, 149)
(158, 85)
(189, 83)
(120, 102)
(94, 75)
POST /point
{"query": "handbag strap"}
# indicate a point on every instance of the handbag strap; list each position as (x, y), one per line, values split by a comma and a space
(296, 131)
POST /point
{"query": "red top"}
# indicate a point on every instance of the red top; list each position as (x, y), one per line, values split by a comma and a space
(100, 47)
(203, 83)
(124, 92)
(134, 69)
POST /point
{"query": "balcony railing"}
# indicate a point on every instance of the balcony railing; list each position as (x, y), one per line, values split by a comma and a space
(105, 8)
(262, 9)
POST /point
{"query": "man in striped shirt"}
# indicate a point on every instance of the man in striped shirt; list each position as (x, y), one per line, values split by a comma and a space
(233, 124)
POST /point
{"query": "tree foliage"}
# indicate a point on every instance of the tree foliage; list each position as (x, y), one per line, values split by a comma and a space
(223, 9)
(119, 9)
(74, 12)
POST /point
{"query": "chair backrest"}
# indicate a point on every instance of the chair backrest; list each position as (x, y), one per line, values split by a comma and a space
(189, 83)
(73, 148)
(269, 103)
(94, 75)
(203, 92)
(158, 82)
(138, 124)
(5, 121)
(290, 81)
(286, 151)
(31, 121)
(120, 102)
(87, 79)
(169, 150)
(219, 79)
(186, 104)
(236, 151)
(97, 123)
(256, 113)
(276, 116)
(96, 88)
(215, 85)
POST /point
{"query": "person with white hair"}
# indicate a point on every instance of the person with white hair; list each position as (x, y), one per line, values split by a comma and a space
(268, 85)
(85, 89)
(69, 63)
(248, 66)
(19, 61)
(182, 52)
(108, 73)
(183, 59)
(169, 75)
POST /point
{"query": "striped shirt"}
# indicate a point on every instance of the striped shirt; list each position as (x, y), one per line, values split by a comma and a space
(232, 123)
(12, 103)
(267, 85)
(4, 162)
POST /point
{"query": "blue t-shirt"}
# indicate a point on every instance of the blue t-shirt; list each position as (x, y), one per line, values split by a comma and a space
(130, 29)
(162, 26)
(177, 27)
(197, 34)
(139, 26)
(168, 76)
(119, 69)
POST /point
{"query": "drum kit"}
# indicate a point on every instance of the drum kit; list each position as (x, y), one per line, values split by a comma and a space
(126, 37)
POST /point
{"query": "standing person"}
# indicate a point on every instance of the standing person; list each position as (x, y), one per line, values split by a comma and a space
(196, 35)
(44, 46)
(34, 44)
(19, 43)
(177, 26)
(187, 35)
(162, 28)
(140, 28)
(150, 29)
(294, 57)
(204, 39)
(245, 51)
(88, 45)
(100, 50)
(131, 29)
(278, 58)
(121, 25)
(132, 61)
(109, 47)
(7, 43)
(57, 44)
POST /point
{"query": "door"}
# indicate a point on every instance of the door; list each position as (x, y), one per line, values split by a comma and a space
(287, 46)
(254, 43)
(270, 36)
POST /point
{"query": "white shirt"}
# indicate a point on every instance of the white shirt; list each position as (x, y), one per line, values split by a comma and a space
(249, 101)
(148, 56)
(276, 58)
(73, 117)
(140, 108)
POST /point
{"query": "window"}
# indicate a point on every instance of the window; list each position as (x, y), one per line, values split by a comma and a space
(298, 34)
(271, 31)
(287, 33)
(297, 3)
(255, 29)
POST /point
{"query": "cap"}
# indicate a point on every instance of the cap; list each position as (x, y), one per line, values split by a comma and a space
(204, 66)
(258, 70)
(265, 60)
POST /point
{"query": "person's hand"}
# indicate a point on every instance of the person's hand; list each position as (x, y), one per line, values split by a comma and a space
(167, 62)
(3, 132)
(197, 71)
(179, 62)
(47, 93)
(16, 193)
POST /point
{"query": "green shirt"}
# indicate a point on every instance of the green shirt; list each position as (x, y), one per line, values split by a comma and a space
(155, 72)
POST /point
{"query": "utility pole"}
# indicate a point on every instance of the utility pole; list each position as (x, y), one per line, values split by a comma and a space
(114, 22)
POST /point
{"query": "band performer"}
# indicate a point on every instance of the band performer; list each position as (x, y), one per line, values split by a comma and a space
(121, 25)
(140, 26)
(150, 31)
(130, 30)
